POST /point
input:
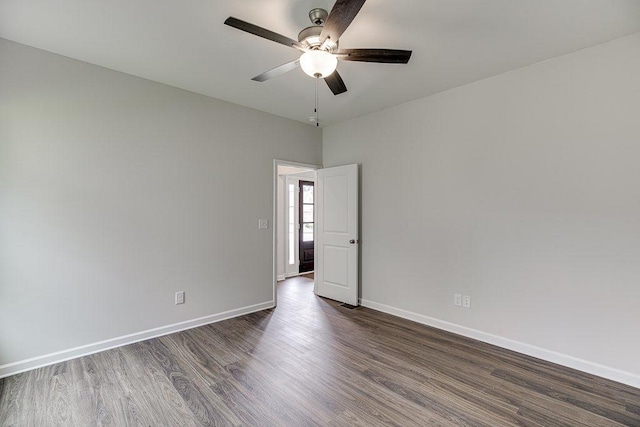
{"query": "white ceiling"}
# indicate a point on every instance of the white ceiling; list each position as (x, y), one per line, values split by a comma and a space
(185, 44)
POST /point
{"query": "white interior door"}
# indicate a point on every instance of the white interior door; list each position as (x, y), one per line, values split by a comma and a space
(336, 253)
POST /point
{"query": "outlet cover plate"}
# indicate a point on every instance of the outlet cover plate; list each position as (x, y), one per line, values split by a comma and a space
(466, 301)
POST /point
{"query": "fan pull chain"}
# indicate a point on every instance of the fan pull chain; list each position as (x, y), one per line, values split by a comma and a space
(316, 109)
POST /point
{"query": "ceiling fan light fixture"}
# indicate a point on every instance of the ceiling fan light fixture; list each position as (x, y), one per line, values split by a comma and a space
(318, 63)
(319, 44)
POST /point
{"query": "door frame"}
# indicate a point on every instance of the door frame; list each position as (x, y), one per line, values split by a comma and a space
(274, 246)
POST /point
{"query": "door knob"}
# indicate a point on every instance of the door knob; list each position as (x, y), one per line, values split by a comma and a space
(353, 242)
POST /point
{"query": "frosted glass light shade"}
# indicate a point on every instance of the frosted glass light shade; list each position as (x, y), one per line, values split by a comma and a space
(318, 63)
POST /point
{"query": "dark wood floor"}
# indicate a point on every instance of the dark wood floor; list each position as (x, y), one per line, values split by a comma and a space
(312, 362)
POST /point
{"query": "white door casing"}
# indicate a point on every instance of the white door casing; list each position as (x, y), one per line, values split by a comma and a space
(336, 252)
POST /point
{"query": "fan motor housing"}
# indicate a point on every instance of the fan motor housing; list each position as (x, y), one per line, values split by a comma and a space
(310, 39)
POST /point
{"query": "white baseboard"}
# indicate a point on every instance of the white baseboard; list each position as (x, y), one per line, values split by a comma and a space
(280, 277)
(530, 350)
(72, 353)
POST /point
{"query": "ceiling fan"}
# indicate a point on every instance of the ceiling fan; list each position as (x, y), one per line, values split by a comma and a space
(319, 44)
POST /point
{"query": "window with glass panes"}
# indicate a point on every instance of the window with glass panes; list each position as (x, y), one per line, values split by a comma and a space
(307, 213)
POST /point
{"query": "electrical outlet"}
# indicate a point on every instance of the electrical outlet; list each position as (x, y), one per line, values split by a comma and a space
(263, 224)
(180, 297)
(457, 300)
(466, 301)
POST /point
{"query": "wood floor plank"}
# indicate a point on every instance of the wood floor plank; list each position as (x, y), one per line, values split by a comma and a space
(205, 411)
(17, 392)
(585, 401)
(550, 413)
(87, 393)
(248, 409)
(312, 362)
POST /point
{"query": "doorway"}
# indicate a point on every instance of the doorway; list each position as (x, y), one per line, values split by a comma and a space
(294, 220)
(332, 221)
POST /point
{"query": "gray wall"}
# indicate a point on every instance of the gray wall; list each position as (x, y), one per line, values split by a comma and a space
(115, 192)
(521, 191)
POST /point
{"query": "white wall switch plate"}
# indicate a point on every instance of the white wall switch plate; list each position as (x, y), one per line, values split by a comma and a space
(457, 300)
(263, 224)
(466, 301)
(180, 297)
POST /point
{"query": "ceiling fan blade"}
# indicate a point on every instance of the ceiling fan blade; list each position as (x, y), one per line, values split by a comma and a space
(387, 56)
(275, 72)
(335, 83)
(339, 18)
(262, 32)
